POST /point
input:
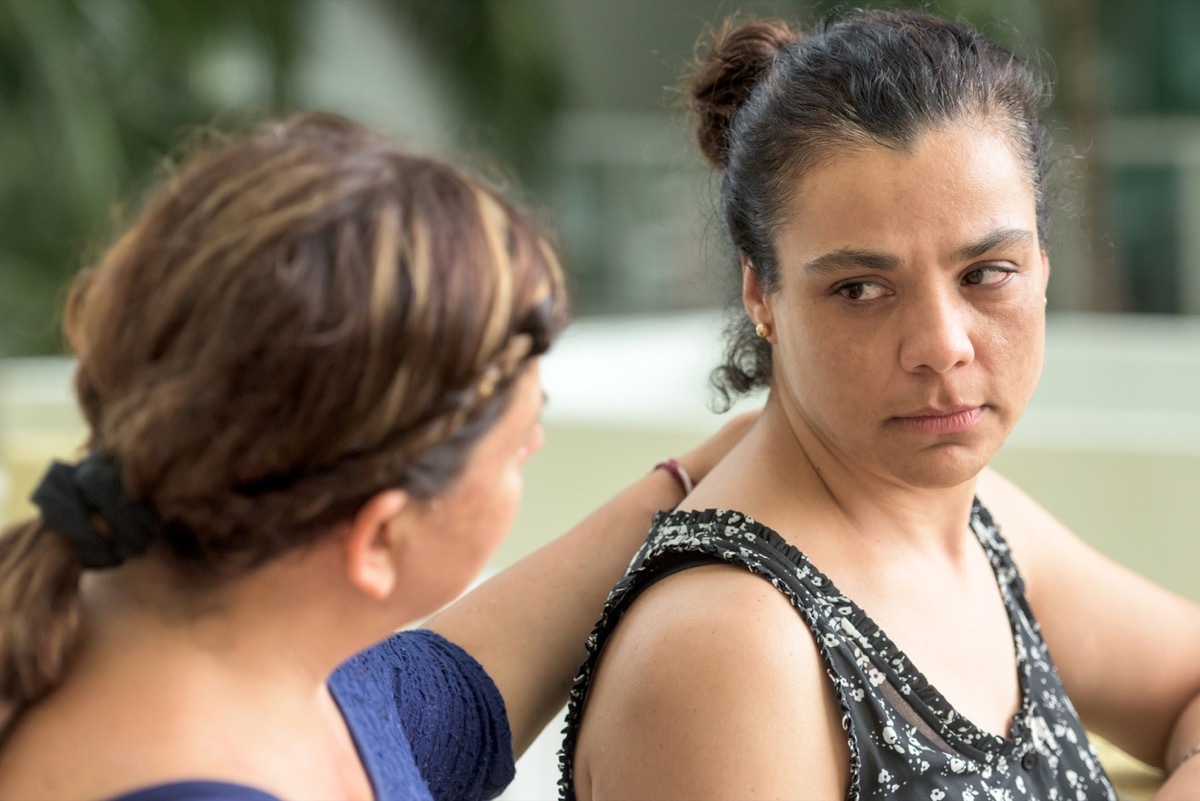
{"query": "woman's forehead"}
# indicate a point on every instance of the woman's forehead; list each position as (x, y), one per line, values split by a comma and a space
(954, 185)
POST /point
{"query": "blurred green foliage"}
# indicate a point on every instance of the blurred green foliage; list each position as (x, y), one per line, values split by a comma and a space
(91, 92)
(94, 92)
(501, 66)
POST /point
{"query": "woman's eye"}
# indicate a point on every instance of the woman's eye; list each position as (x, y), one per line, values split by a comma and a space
(987, 276)
(861, 291)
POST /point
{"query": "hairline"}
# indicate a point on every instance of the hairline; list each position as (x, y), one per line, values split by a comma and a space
(855, 140)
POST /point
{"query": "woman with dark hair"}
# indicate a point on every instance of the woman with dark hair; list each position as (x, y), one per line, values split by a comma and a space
(883, 185)
(310, 373)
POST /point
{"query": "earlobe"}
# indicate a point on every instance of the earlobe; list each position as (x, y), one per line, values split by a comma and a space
(371, 544)
(754, 299)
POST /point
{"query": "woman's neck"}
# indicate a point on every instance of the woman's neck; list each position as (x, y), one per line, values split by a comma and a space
(231, 689)
(279, 624)
(785, 470)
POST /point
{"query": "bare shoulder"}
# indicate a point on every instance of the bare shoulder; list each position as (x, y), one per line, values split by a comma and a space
(1012, 507)
(1032, 531)
(709, 660)
(1047, 552)
(1093, 611)
(102, 762)
(1051, 557)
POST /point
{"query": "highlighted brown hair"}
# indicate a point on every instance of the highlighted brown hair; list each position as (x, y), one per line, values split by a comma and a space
(298, 319)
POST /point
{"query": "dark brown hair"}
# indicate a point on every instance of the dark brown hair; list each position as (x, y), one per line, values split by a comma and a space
(772, 102)
(298, 319)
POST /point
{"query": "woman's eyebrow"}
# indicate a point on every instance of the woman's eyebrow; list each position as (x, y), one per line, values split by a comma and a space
(1003, 237)
(843, 258)
(857, 258)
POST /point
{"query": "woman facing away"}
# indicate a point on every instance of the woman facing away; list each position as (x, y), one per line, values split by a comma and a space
(310, 373)
(883, 184)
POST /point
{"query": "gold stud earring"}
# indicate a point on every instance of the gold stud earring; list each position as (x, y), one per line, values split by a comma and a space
(762, 330)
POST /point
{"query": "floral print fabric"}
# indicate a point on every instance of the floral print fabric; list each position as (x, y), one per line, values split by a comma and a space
(905, 739)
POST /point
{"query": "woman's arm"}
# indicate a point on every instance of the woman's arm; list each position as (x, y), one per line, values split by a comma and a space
(1128, 650)
(527, 625)
(1183, 758)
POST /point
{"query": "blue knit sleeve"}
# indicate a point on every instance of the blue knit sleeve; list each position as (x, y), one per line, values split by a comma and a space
(453, 714)
(196, 790)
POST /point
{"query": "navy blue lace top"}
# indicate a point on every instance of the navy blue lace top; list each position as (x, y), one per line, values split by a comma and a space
(428, 723)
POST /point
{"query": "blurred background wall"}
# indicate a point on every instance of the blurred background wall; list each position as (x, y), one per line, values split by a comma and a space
(572, 103)
(573, 100)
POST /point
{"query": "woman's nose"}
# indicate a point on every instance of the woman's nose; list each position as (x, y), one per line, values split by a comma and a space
(937, 336)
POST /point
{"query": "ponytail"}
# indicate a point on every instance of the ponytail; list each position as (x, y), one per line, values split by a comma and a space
(87, 522)
(39, 604)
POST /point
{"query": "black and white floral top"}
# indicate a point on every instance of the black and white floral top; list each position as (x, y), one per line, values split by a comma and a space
(905, 739)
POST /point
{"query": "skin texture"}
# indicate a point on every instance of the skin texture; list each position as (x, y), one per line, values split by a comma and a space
(201, 677)
(879, 317)
(527, 625)
(907, 330)
(237, 673)
(481, 504)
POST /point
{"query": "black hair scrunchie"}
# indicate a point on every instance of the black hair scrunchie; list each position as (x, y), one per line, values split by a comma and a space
(69, 495)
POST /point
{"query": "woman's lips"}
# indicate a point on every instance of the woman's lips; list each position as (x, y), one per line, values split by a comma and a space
(930, 422)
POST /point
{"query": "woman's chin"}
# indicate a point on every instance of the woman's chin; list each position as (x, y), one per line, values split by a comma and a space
(943, 466)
